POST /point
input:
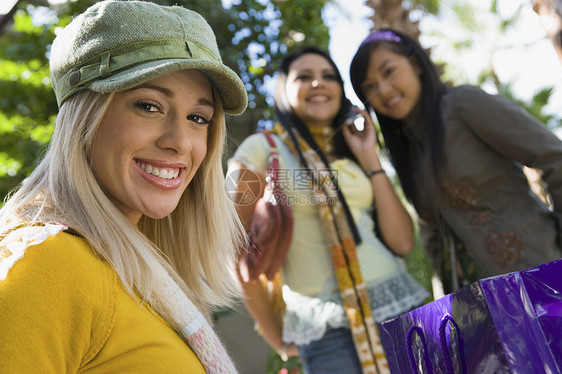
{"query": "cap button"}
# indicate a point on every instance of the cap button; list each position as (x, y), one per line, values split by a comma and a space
(74, 78)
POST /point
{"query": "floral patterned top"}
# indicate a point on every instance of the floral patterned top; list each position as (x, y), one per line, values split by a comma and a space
(483, 199)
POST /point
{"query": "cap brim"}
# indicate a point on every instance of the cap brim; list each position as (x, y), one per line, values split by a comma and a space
(230, 87)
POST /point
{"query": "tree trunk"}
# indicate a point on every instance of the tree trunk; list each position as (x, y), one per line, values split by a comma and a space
(550, 14)
(396, 15)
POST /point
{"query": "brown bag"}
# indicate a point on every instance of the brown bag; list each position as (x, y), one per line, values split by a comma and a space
(271, 228)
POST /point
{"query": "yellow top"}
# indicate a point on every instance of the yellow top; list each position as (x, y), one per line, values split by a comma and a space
(309, 261)
(64, 310)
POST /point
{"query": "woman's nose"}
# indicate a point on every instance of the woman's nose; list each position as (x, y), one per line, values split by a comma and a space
(383, 87)
(317, 82)
(175, 135)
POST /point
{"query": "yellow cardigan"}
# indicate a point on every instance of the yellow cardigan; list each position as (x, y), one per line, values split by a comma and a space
(64, 310)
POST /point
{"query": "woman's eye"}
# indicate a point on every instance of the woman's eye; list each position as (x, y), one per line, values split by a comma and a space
(303, 77)
(147, 106)
(199, 119)
(388, 72)
(368, 88)
(330, 77)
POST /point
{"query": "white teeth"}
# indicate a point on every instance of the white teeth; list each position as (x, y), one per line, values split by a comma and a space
(318, 98)
(393, 102)
(161, 173)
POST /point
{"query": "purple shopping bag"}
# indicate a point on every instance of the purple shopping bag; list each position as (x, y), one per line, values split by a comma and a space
(510, 323)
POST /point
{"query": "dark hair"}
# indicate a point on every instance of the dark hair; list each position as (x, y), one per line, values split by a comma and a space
(289, 120)
(396, 141)
(287, 117)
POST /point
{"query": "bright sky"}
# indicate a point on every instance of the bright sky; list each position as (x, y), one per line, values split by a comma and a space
(349, 24)
(530, 61)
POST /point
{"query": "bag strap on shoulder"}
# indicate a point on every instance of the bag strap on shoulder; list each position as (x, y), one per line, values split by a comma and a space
(273, 161)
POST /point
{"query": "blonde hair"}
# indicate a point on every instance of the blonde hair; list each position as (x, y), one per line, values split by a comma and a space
(196, 244)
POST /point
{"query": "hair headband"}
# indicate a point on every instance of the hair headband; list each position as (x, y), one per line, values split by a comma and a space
(386, 35)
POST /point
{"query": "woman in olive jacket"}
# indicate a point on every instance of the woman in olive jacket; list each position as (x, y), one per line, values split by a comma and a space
(459, 154)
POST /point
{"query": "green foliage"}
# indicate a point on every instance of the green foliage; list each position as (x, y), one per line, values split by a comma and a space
(418, 265)
(466, 16)
(277, 366)
(494, 6)
(474, 32)
(253, 36)
(27, 112)
(535, 106)
(431, 6)
(511, 21)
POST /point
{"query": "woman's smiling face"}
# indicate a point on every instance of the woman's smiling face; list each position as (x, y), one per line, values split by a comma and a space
(392, 85)
(313, 90)
(151, 142)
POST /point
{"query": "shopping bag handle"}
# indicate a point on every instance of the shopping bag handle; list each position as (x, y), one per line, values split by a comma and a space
(411, 353)
(445, 346)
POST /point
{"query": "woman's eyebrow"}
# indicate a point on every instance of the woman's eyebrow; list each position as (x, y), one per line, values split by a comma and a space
(205, 102)
(167, 92)
(384, 64)
(310, 71)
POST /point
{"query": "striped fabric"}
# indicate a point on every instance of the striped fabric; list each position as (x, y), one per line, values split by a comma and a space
(348, 273)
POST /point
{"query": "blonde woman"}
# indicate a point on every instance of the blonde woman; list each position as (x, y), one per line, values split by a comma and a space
(120, 244)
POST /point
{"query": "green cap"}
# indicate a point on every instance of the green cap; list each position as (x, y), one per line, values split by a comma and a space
(116, 45)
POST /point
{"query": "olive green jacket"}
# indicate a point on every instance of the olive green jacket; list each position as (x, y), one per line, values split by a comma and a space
(483, 196)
